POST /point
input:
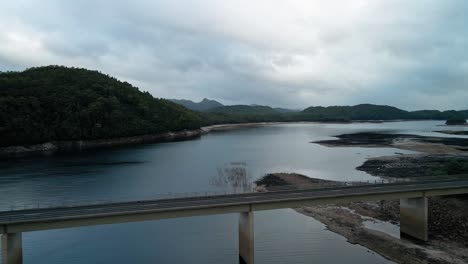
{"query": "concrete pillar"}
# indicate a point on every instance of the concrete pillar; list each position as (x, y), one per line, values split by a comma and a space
(414, 218)
(246, 238)
(12, 249)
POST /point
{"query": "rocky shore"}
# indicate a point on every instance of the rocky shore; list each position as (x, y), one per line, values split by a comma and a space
(420, 166)
(448, 228)
(450, 132)
(433, 145)
(438, 157)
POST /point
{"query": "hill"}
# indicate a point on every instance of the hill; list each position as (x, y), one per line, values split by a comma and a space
(375, 112)
(245, 109)
(286, 110)
(242, 114)
(357, 112)
(437, 115)
(59, 103)
(204, 105)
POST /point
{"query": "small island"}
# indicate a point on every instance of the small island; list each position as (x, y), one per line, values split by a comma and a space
(456, 120)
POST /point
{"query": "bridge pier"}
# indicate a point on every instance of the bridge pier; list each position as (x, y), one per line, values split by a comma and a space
(12, 248)
(246, 238)
(414, 218)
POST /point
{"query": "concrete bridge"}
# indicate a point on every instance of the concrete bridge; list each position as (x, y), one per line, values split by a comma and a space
(412, 195)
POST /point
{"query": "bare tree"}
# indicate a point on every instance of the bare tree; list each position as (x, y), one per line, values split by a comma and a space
(233, 177)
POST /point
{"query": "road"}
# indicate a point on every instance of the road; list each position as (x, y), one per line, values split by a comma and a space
(254, 200)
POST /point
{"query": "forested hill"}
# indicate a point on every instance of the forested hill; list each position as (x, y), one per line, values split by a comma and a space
(59, 103)
(376, 112)
(357, 112)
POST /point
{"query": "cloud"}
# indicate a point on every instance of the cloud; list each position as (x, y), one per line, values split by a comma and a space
(297, 53)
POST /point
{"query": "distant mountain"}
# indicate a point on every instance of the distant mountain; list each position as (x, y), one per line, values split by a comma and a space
(286, 110)
(245, 110)
(242, 114)
(281, 110)
(204, 105)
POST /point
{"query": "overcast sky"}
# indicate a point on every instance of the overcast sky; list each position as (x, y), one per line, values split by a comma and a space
(296, 53)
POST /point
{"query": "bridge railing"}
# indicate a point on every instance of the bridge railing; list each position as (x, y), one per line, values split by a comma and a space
(174, 195)
(115, 199)
(331, 184)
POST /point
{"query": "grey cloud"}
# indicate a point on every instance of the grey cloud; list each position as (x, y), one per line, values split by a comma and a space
(290, 56)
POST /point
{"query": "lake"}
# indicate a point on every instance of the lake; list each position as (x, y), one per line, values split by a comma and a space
(181, 168)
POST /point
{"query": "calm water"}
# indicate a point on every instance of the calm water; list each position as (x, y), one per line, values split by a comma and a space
(281, 236)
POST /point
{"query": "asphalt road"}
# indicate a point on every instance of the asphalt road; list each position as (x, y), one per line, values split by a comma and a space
(146, 206)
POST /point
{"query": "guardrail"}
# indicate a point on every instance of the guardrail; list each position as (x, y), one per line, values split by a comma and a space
(174, 195)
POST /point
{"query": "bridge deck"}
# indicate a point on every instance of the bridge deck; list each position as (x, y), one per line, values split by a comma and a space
(251, 201)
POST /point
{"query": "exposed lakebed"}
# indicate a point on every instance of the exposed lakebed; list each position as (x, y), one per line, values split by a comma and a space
(437, 158)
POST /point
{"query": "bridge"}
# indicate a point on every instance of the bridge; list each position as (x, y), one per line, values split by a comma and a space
(412, 195)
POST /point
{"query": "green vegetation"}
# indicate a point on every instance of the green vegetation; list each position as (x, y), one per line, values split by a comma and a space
(457, 167)
(452, 166)
(431, 114)
(271, 180)
(456, 120)
(58, 103)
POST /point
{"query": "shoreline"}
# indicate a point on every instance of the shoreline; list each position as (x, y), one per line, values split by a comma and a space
(52, 147)
(81, 145)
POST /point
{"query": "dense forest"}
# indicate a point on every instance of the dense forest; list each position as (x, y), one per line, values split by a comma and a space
(58, 103)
